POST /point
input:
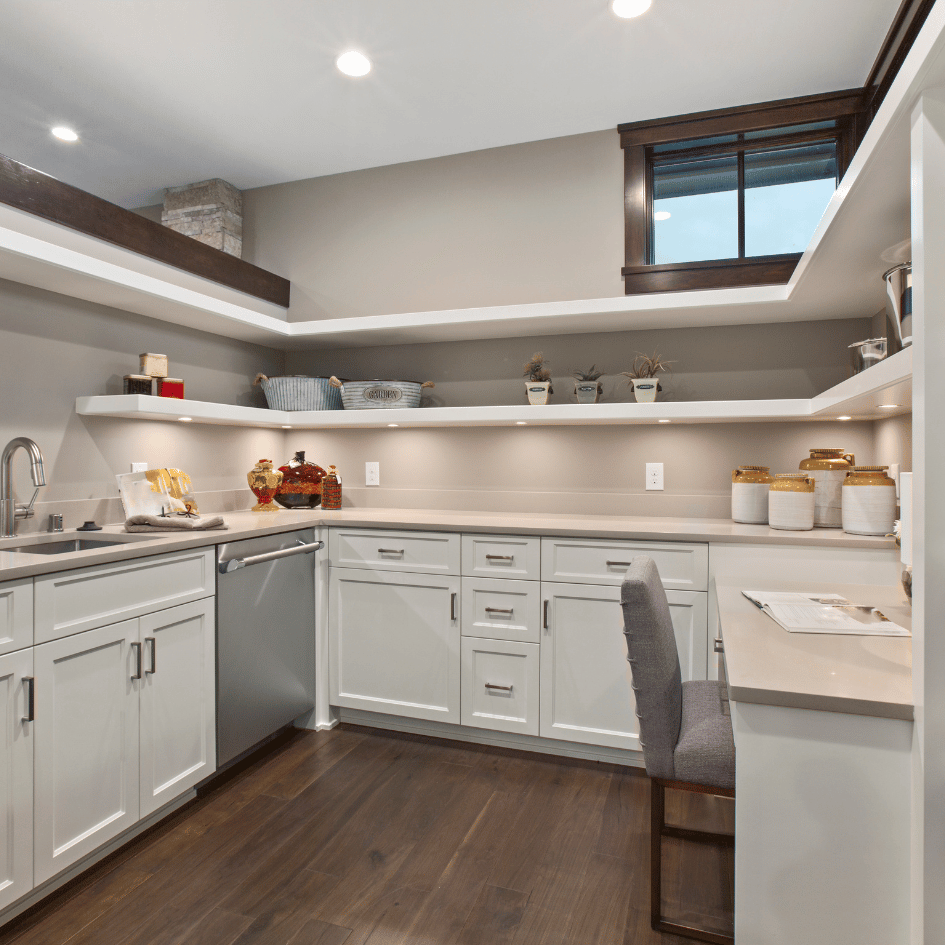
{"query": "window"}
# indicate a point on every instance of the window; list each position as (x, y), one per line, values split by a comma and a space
(731, 197)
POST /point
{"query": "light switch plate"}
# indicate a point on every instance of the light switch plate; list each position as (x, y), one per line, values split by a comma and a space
(654, 477)
(372, 474)
(139, 467)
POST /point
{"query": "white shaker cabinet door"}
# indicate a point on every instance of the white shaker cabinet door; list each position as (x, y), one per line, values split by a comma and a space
(178, 734)
(86, 743)
(585, 684)
(16, 777)
(395, 643)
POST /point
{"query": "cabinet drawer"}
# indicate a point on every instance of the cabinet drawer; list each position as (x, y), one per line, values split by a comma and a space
(681, 566)
(72, 601)
(502, 556)
(419, 552)
(500, 685)
(501, 610)
(16, 615)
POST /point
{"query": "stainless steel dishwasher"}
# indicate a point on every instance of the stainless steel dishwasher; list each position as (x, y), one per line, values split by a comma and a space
(265, 637)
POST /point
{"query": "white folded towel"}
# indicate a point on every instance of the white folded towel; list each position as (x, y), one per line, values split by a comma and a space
(173, 523)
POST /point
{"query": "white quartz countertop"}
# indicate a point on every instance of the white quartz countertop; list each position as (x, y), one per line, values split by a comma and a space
(832, 672)
(248, 524)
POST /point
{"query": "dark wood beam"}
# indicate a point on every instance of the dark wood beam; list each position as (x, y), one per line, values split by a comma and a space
(27, 189)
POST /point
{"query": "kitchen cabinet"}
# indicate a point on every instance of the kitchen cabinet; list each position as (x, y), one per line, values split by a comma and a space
(124, 723)
(585, 684)
(16, 615)
(500, 685)
(394, 643)
(16, 777)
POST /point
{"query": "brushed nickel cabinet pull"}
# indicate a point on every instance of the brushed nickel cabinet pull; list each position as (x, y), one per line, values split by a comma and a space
(544, 621)
(717, 645)
(498, 610)
(137, 648)
(30, 684)
(489, 685)
(500, 557)
(618, 564)
(390, 551)
(453, 606)
(153, 643)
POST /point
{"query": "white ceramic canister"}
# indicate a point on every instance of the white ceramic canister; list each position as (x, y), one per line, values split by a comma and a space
(869, 501)
(828, 467)
(791, 502)
(750, 485)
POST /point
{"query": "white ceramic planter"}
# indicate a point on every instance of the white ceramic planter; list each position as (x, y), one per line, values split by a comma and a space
(538, 392)
(791, 502)
(645, 391)
(587, 392)
(750, 503)
(869, 510)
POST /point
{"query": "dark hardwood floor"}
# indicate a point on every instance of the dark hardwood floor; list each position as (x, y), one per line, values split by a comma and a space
(361, 836)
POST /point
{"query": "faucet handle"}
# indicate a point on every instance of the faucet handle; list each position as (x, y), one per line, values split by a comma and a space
(26, 511)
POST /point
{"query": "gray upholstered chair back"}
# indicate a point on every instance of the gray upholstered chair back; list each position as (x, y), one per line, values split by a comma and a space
(654, 662)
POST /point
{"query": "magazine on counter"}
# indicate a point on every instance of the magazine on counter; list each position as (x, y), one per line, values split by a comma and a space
(824, 613)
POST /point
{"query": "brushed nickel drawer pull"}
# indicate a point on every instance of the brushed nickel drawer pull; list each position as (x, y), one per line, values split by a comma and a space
(498, 610)
(500, 557)
(489, 685)
(30, 684)
(453, 606)
(545, 619)
(618, 564)
(390, 551)
(717, 645)
(153, 643)
(137, 651)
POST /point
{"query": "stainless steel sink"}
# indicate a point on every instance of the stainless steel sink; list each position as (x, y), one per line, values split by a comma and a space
(43, 547)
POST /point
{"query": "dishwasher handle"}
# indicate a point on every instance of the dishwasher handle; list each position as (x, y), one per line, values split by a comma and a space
(235, 564)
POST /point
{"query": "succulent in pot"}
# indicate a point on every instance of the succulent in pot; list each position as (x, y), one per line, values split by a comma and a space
(642, 376)
(538, 380)
(587, 386)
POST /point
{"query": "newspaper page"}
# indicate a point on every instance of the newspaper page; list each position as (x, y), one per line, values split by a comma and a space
(824, 613)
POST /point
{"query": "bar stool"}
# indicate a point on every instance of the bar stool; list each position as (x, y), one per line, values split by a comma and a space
(685, 727)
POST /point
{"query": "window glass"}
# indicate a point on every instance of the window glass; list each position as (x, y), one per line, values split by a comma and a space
(786, 193)
(695, 209)
(694, 143)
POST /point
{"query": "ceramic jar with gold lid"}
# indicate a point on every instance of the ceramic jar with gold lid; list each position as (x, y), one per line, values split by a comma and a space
(828, 467)
(750, 486)
(791, 502)
(869, 501)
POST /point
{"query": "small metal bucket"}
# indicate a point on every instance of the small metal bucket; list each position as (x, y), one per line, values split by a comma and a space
(899, 302)
(867, 353)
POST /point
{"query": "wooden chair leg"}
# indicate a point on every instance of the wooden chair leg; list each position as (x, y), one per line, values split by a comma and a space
(658, 830)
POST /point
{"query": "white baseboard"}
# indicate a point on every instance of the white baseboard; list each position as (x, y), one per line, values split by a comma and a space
(462, 733)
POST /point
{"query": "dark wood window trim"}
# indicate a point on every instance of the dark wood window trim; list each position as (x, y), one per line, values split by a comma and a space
(26, 189)
(637, 139)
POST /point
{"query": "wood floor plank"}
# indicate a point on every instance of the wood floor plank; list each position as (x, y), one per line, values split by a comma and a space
(382, 918)
(316, 932)
(625, 823)
(599, 912)
(495, 917)
(313, 765)
(216, 928)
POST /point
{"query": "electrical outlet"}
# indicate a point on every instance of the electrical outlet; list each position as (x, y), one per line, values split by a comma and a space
(139, 467)
(372, 474)
(654, 477)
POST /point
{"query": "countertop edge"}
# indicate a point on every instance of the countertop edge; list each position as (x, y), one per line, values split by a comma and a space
(821, 703)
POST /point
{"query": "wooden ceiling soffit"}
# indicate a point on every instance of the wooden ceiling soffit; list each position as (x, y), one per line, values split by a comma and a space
(27, 189)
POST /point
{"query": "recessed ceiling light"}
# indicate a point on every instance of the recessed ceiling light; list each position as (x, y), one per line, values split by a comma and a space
(353, 63)
(889, 406)
(662, 215)
(286, 426)
(844, 418)
(393, 424)
(186, 419)
(663, 421)
(521, 423)
(65, 134)
(627, 9)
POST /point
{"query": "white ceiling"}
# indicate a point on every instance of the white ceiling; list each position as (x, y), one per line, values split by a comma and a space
(166, 92)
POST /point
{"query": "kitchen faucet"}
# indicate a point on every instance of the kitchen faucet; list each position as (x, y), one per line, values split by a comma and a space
(9, 510)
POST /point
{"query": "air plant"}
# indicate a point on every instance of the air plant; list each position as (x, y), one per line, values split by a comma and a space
(646, 366)
(589, 376)
(536, 369)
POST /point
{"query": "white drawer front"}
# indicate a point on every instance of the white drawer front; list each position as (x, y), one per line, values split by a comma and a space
(500, 685)
(16, 615)
(418, 552)
(502, 557)
(681, 566)
(72, 601)
(501, 610)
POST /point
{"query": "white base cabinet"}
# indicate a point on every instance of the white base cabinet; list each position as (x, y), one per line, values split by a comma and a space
(585, 683)
(16, 777)
(500, 685)
(394, 643)
(124, 723)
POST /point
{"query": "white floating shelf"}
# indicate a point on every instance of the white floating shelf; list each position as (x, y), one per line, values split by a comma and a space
(860, 398)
